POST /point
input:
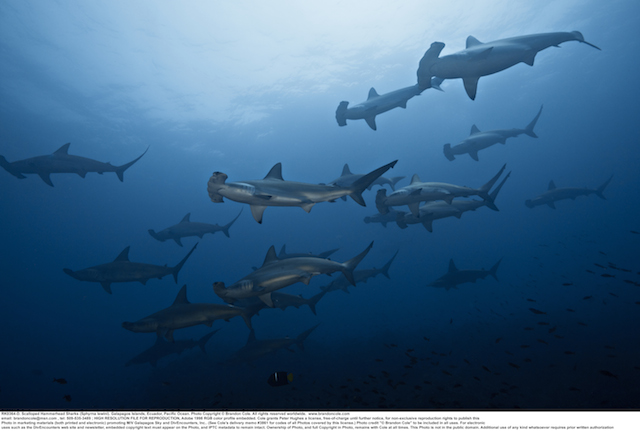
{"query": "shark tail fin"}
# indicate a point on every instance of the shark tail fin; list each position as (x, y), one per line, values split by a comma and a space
(314, 300)
(365, 181)
(225, 228)
(120, 169)
(529, 129)
(494, 194)
(448, 153)
(203, 341)
(393, 181)
(300, 338)
(600, 189)
(351, 264)
(178, 267)
(494, 269)
(484, 190)
(426, 62)
(341, 112)
(385, 269)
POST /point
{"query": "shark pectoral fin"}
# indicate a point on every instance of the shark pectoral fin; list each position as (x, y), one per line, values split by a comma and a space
(177, 240)
(428, 225)
(307, 206)
(448, 199)
(551, 205)
(266, 298)
(371, 121)
(471, 86)
(474, 155)
(415, 208)
(306, 278)
(169, 335)
(257, 211)
(45, 177)
(106, 286)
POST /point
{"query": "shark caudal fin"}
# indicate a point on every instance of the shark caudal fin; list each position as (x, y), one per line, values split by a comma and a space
(119, 170)
(225, 228)
(448, 153)
(393, 181)
(176, 269)
(484, 190)
(351, 264)
(429, 58)
(600, 189)
(314, 300)
(385, 269)
(381, 196)
(203, 341)
(580, 38)
(529, 129)
(494, 268)
(494, 194)
(7, 167)
(341, 113)
(300, 338)
(364, 181)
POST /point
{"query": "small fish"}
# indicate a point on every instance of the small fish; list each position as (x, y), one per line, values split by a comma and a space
(569, 352)
(378, 360)
(67, 398)
(477, 378)
(393, 345)
(582, 323)
(589, 271)
(468, 363)
(542, 341)
(524, 346)
(634, 232)
(608, 374)
(486, 369)
(61, 381)
(498, 340)
(600, 266)
(528, 328)
(543, 323)
(535, 311)
(531, 300)
(567, 284)
(166, 383)
(605, 275)
(513, 365)
(588, 297)
(602, 252)
(573, 389)
(609, 347)
(551, 330)
(613, 294)
(527, 359)
(572, 311)
(446, 372)
(426, 339)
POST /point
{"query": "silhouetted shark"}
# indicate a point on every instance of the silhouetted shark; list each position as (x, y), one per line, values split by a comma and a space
(482, 59)
(123, 270)
(455, 276)
(273, 190)
(255, 349)
(60, 162)
(162, 348)
(183, 314)
(554, 194)
(478, 140)
(188, 228)
(360, 276)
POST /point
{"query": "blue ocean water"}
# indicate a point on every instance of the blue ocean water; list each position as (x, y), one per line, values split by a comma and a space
(238, 88)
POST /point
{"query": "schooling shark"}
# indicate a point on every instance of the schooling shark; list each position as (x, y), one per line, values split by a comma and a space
(554, 194)
(162, 348)
(275, 274)
(255, 349)
(273, 190)
(456, 276)
(183, 314)
(123, 270)
(347, 178)
(483, 59)
(188, 228)
(478, 140)
(60, 162)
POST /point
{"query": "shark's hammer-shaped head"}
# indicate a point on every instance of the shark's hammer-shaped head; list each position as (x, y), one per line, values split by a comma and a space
(216, 181)
(88, 274)
(142, 325)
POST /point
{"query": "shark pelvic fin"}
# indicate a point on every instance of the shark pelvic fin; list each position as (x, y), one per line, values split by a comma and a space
(371, 121)
(266, 298)
(106, 286)
(257, 211)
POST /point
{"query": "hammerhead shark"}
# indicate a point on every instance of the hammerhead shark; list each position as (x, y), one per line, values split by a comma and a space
(419, 191)
(60, 162)
(284, 255)
(478, 140)
(123, 270)
(162, 348)
(282, 301)
(275, 274)
(273, 190)
(183, 314)
(482, 59)
(360, 276)
(188, 228)
(456, 276)
(438, 209)
(390, 217)
(256, 349)
(554, 194)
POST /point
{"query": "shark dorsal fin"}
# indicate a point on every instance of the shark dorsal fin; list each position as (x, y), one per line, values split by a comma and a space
(185, 219)
(415, 179)
(271, 256)
(283, 250)
(474, 130)
(62, 151)
(181, 298)
(452, 266)
(472, 41)
(345, 170)
(552, 185)
(275, 173)
(123, 256)
(373, 93)
(252, 336)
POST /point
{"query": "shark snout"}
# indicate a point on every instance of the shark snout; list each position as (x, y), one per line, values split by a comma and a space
(70, 272)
